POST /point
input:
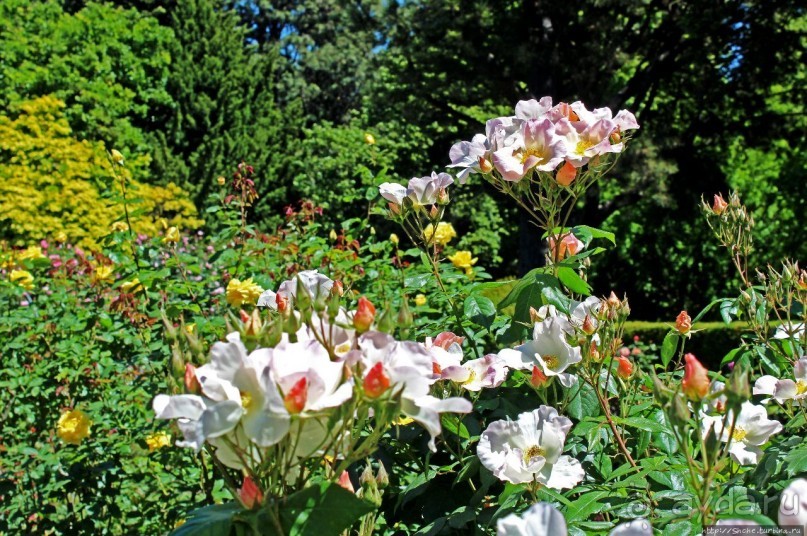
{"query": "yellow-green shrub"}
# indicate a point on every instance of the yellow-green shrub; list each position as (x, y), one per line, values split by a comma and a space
(52, 182)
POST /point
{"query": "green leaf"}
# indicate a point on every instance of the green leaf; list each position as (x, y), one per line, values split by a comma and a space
(572, 280)
(668, 347)
(589, 503)
(796, 461)
(642, 423)
(215, 520)
(322, 510)
(586, 234)
(480, 310)
(584, 401)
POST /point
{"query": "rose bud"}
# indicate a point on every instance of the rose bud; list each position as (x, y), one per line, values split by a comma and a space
(624, 367)
(364, 316)
(719, 205)
(683, 323)
(566, 174)
(696, 382)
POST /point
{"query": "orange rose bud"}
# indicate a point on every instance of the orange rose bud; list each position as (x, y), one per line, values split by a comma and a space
(296, 397)
(338, 288)
(484, 165)
(683, 323)
(588, 326)
(538, 379)
(376, 382)
(365, 314)
(624, 367)
(437, 370)
(566, 174)
(282, 302)
(719, 206)
(696, 382)
(250, 494)
(191, 383)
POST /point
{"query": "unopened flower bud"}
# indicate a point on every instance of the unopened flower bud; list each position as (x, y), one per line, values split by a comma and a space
(117, 157)
(364, 316)
(696, 381)
(434, 212)
(282, 302)
(381, 477)
(613, 301)
(296, 397)
(332, 235)
(442, 197)
(535, 316)
(538, 379)
(191, 383)
(394, 239)
(221, 181)
(589, 327)
(395, 208)
(594, 352)
(338, 288)
(376, 382)
(386, 322)
(369, 139)
(485, 165)
(344, 481)
(566, 174)
(683, 323)
(367, 478)
(624, 368)
(719, 206)
(250, 494)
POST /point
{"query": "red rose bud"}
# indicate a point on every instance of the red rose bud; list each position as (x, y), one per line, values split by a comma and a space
(538, 379)
(296, 397)
(484, 165)
(624, 367)
(437, 370)
(244, 316)
(376, 382)
(566, 174)
(719, 206)
(364, 316)
(250, 494)
(696, 382)
(191, 383)
(683, 323)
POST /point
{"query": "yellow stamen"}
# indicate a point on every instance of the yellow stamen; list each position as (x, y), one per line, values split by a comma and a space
(583, 145)
(801, 387)
(246, 400)
(551, 361)
(738, 434)
(532, 452)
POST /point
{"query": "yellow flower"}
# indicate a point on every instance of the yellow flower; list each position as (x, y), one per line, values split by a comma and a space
(420, 299)
(221, 181)
(158, 440)
(369, 139)
(103, 274)
(241, 292)
(394, 239)
(463, 260)
(190, 328)
(31, 252)
(440, 236)
(403, 421)
(73, 426)
(171, 236)
(23, 278)
(117, 157)
(119, 227)
(60, 237)
(132, 286)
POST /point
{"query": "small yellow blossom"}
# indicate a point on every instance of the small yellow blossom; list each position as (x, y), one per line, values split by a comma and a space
(73, 426)
(117, 157)
(463, 260)
(158, 440)
(31, 252)
(103, 274)
(403, 421)
(333, 236)
(171, 236)
(369, 139)
(132, 286)
(190, 329)
(23, 278)
(221, 181)
(440, 236)
(119, 227)
(60, 237)
(420, 300)
(394, 239)
(241, 292)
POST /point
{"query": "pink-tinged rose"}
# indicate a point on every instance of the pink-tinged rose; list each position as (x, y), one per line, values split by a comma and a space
(683, 323)
(567, 246)
(696, 381)
(446, 339)
(533, 109)
(426, 190)
(468, 156)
